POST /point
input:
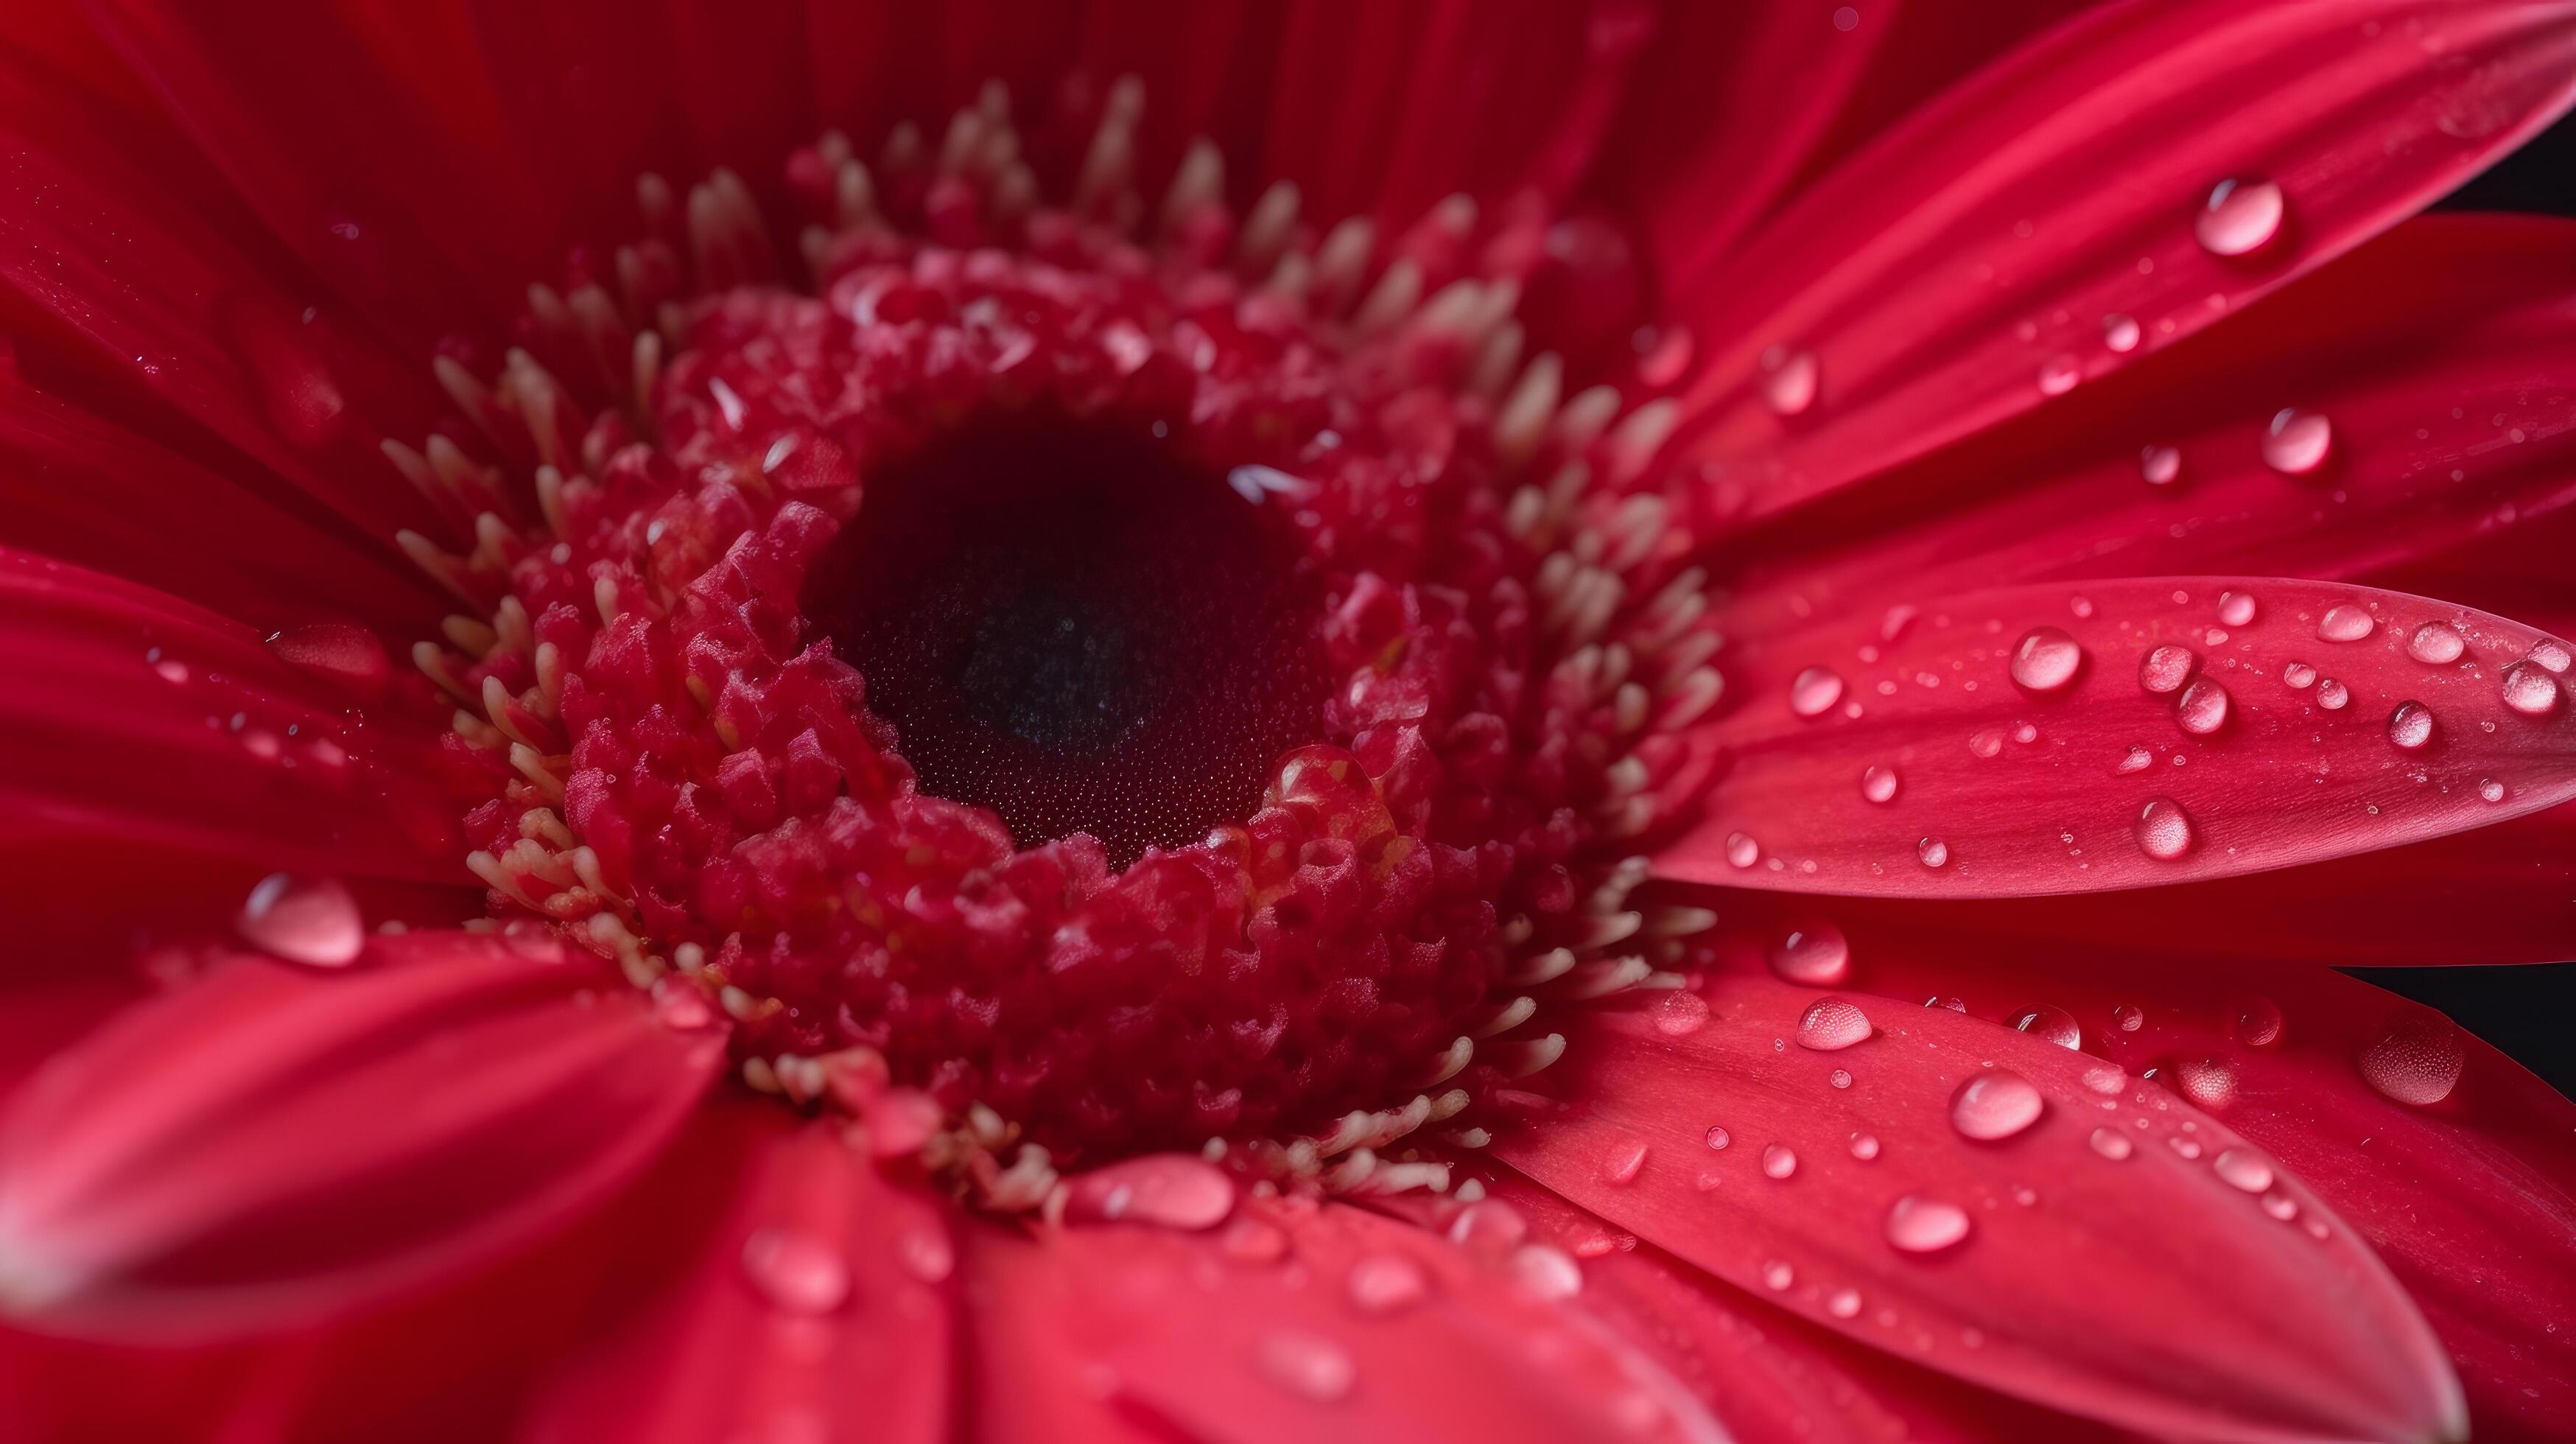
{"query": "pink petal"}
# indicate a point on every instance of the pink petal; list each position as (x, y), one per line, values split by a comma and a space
(1938, 277)
(2471, 1199)
(2209, 726)
(819, 1302)
(2145, 1291)
(2427, 353)
(275, 1142)
(1297, 1322)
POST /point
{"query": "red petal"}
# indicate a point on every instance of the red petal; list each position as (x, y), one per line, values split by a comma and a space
(819, 1302)
(2270, 744)
(275, 1142)
(1936, 277)
(2432, 353)
(2145, 1291)
(2471, 1200)
(1298, 1323)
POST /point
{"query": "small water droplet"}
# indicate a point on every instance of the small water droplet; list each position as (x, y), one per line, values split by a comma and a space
(1777, 1275)
(1843, 1303)
(1864, 1146)
(1832, 1024)
(1779, 1160)
(2242, 1169)
(2209, 1082)
(1789, 380)
(2345, 622)
(2105, 1079)
(2239, 217)
(1917, 1224)
(2059, 374)
(2411, 725)
(1625, 1160)
(308, 920)
(796, 1271)
(2052, 1024)
(2160, 465)
(2119, 332)
(1681, 1013)
(2281, 1206)
(2127, 1018)
(2255, 1021)
(348, 657)
(1308, 1366)
(1387, 1283)
(1986, 743)
(1815, 957)
(2164, 833)
(2332, 695)
(2297, 442)
(1840, 1078)
(2416, 1059)
(2203, 708)
(1814, 692)
(1545, 1271)
(2299, 676)
(2188, 1148)
(1995, 1105)
(2550, 654)
(1717, 1137)
(2236, 609)
(1878, 784)
(1742, 850)
(2529, 689)
(2436, 643)
(1933, 851)
(2490, 789)
(2046, 659)
(2111, 1143)
(2166, 668)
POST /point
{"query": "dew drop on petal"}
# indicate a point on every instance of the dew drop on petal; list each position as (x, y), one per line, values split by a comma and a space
(1840, 1078)
(2127, 1018)
(1742, 850)
(1916, 1224)
(2119, 332)
(1996, 1104)
(2138, 759)
(1843, 1303)
(796, 1271)
(2242, 1170)
(2111, 1143)
(2058, 375)
(1813, 692)
(2416, 1059)
(2411, 725)
(2490, 789)
(2332, 695)
(1717, 1137)
(1308, 1366)
(2203, 708)
(1625, 1160)
(2188, 1148)
(2299, 676)
(1986, 743)
(2436, 643)
(1777, 1275)
(2297, 442)
(2160, 465)
(1681, 1013)
(2281, 1206)
(2209, 1082)
(2529, 689)
(2046, 659)
(1788, 380)
(2163, 831)
(2166, 668)
(2239, 217)
(2344, 622)
(2105, 1079)
(1864, 1146)
(2550, 654)
(2051, 1023)
(1933, 851)
(1779, 1160)
(1815, 957)
(1832, 1024)
(2255, 1021)
(2236, 609)
(1386, 1283)
(1878, 784)
(1545, 1271)
(308, 920)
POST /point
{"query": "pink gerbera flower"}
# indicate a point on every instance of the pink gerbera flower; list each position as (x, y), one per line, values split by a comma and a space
(1236, 721)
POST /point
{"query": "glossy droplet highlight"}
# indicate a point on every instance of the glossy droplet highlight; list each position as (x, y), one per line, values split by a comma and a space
(2119, 332)
(1878, 784)
(1717, 1137)
(1813, 692)
(2203, 708)
(2297, 442)
(1814, 957)
(1308, 1366)
(1933, 852)
(1778, 1276)
(1995, 1105)
(1779, 1160)
(2333, 695)
(1832, 1024)
(2255, 1021)
(2490, 789)
(1387, 1283)
(2344, 622)
(2163, 830)
(1742, 850)
(2242, 1170)
(2111, 1143)
(1864, 1146)
(2052, 1024)
(2160, 465)
(2045, 659)
(1681, 1013)
(2127, 1018)
(2529, 689)
(2239, 217)
(2237, 609)
(2436, 643)
(1624, 1161)
(2416, 1059)
(1917, 1224)
(1839, 1078)
(308, 920)
(1789, 380)
(2058, 375)
(2411, 725)
(796, 1271)
(1843, 1303)
(2299, 676)
(2166, 668)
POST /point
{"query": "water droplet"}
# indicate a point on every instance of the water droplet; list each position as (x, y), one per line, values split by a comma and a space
(2105, 1079)
(926, 1254)
(2332, 695)
(1878, 784)
(2160, 465)
(2051, 1024)
(1864, 1146)
(1952, 1004)
(2138, 759)
(1545, 1271)
(1717, 1137)
(1916, 1224)
(2236, 609)
(1789, 380)
(2242, 1170)
(1832, 1024)
(1814, 692)
(2281, 1206)
(2529, 689)
(1742, 850)
(796, 1271)
(1387, 1283)
(2436, 643)
(1625, 1160)
(1169, 1190)
(1996, 1104)
(2490, 789)
(2550, 655)
(2127, 1018)
(1815, 957)
(1933, 851)
(1681, 1013)
(2344, 622)
(2411, 725)
(2416, 1059)
(2164, 833)
(2119, 332)
(2111, 1143)
(308, 920)
(1986, 743)
(348, 657)
(2299, 676)
(2058, 375)
(2046, 659)
(2240, 217)
(1308, 1366)
(2209, 1082)
(2166, 668)
(2184, 1146)
(2203, 708)
(1843, 1303)
(1779, 1160)
(1840, 1078)
(2297, 442)
(2255, 1021)
(1777, 1275)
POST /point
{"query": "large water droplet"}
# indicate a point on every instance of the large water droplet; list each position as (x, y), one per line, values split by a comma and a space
(1933, 852)
(2550, 654)
(1779, 1160)
(2236, 609)
(796, 1271)
(2436, 643)
(2160, 465)
(2046, 659)
(1387, 1283)
(1878, 784)
(1996, 1104)
(2332, 695)
(1916, 1224)
(2411, 725)
(1742, 850)
(1815, 957)
(1832, 1024)
(2209, 1082)
(2203, 708)
(2529, 689)
(1813, 692)
(1789, 380)
(308, 920)
(2416, 1059)
(2163, 829)
(2345, 622)
(2239, 217)
(2166, 668)
(2242, 1169)
(1308, 1365)
(2297, 442)
(2052, 1023)
(2111, 1143)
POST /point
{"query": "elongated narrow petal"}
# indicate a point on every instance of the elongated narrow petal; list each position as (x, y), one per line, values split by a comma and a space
(2127, 1279)
(1299, 1322)
(819, 1299)
(2163, 163)
(2055, 739)
(274, 1142)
